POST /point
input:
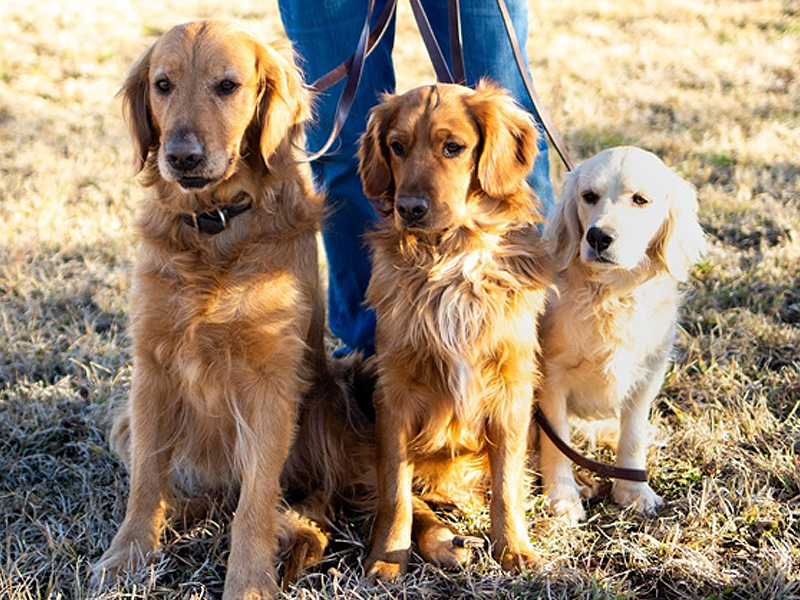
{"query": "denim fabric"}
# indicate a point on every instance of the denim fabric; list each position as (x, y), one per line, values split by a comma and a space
(325, 33)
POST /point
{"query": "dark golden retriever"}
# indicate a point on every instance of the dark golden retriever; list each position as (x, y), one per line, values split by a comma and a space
(459, 279)
(226, 315)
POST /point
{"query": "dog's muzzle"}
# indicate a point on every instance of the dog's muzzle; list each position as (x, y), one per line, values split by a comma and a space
(186, 156)
(184, 152)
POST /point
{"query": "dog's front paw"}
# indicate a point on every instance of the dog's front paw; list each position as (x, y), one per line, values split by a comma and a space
(122, 555)
(250, 581)
(384, 569)
(518, 559)
(637, 495)
(266, 589)
(564, 500)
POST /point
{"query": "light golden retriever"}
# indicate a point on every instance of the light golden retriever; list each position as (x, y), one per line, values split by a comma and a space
(459, 279)
(623, 235)
(226, 316)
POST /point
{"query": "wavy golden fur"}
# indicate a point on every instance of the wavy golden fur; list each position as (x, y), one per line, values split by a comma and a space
(227, 329)
(458, 281)
(623, 234)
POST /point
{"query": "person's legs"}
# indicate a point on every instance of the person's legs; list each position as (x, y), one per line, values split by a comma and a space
(488, 53)
(325, 34)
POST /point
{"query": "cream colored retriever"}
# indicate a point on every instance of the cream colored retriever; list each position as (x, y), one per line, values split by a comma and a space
(623, 235)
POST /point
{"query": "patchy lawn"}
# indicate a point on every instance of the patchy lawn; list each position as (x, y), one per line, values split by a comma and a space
(712, 87)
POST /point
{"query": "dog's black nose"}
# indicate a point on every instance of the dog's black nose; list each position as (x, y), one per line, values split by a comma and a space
(599, 239)
(184, 151)
(412, 208)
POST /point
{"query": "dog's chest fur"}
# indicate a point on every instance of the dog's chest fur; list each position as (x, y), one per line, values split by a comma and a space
(210, 319)
(217, 327)
(442, 325)
(603, 346)
(221, 325)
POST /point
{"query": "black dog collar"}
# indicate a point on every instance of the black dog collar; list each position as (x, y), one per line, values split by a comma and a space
(216, 221)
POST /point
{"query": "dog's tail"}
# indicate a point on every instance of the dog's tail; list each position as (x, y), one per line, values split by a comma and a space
(332, 463)
(333, 457)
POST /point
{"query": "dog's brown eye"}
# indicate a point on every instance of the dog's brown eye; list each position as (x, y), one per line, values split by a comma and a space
(397, 148)
(226, 87)
(639, 200)
(163, 85)
(452, 149)
(590, 197)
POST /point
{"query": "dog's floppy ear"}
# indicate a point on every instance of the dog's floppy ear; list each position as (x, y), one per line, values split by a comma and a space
(373, 155)
(135, 96)
(681, 242)
(563, 231)
(509, 140)
(284, 102)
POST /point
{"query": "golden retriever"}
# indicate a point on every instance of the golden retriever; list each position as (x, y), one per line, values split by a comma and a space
(459, 279)
(226, 317)
(623, 235)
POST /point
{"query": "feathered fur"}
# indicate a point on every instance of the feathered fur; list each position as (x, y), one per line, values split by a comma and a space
(457, 294)
(227, 330)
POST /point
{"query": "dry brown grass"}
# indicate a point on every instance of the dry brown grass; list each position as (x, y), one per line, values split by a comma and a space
(713, 87)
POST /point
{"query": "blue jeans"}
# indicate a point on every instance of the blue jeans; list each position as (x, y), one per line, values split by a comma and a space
(325, 33)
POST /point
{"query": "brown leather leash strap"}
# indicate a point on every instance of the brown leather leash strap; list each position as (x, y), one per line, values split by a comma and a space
(456, 53)
(595, 466)
(538, 106)
(348, 96)
(353, 66)
(338, 73)
(437, 58)
(444, 75)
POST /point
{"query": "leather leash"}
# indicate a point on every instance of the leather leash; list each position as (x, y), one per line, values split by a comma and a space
(353, 68)
(338, 73)
(538, 106)
(579, 459)
(443, 73)
(456, 53)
